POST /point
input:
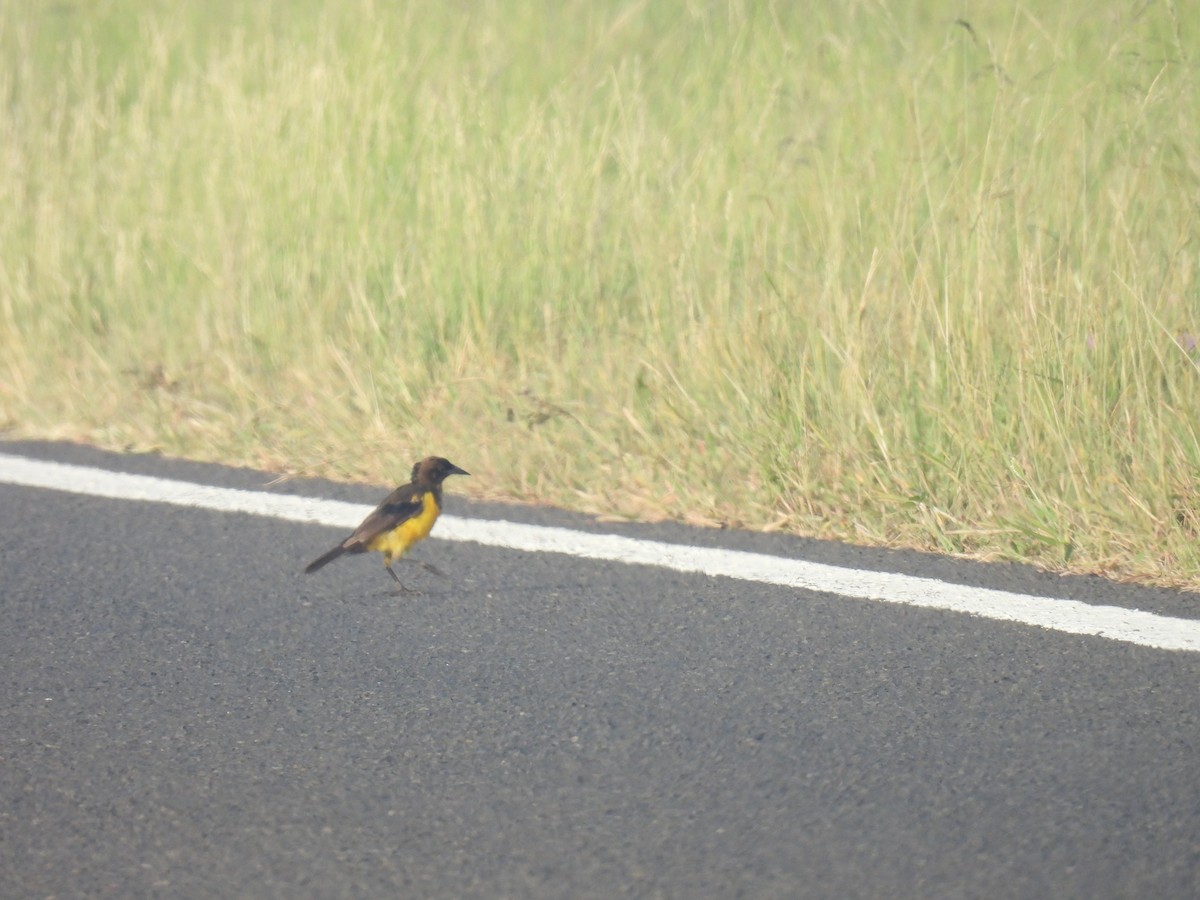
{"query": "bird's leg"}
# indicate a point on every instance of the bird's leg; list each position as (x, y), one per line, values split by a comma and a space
(400, 588)
(428, 567)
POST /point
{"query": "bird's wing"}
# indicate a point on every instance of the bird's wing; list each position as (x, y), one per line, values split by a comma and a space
(401, 504)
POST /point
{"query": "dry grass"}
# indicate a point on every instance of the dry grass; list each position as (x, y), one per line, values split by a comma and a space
(906, 280)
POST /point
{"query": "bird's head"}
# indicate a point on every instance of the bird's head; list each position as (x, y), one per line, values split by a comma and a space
(435, 470)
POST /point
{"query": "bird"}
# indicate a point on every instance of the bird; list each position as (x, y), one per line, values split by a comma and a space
(405, 516)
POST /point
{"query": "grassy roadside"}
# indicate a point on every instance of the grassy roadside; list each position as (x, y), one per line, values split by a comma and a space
(895, 278)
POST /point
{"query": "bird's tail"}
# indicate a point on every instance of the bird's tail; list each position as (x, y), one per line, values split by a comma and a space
(324, 559)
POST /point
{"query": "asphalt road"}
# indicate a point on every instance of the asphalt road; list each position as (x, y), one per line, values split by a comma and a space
(186, 715)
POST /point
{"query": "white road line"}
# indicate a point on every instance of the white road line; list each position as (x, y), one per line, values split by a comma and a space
(1070, 616)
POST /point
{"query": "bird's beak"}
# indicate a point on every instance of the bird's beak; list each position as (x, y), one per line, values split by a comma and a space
(455, 470)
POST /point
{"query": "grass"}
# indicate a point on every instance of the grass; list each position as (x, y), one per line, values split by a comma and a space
(899, 278)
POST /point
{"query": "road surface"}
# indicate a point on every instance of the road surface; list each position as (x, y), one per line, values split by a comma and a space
(188, 715)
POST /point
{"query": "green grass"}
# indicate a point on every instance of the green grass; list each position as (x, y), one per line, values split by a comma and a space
(894, 277)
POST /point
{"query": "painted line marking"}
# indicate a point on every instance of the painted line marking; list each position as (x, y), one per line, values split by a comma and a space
(1069, 616)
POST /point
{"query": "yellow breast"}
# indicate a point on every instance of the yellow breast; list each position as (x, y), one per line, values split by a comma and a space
(396, 542)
